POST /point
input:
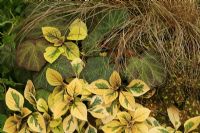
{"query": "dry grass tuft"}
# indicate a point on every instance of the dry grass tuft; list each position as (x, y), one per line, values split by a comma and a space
(167, 27)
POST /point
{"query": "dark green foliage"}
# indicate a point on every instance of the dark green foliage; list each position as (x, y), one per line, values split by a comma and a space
(107, 22)
(62, 65)
(29, 54)
(2, 121)
(147, 68)
(97, 68)
(42, 93)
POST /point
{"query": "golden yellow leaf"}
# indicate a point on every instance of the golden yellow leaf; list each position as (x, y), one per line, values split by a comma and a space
(110, 97)
(78, 30)
(77, 65)
(52, 34)
(52, 53)
(70, 124)
(127, 100)
(25, 112)
(100, 87)
(75, 87)
(10, 125)
(14, 100)
(138, 87)
(42, 105)
(98, 111)
(140, 128)
(191, 124)
(113, 127)
(141, 114)
(36, 122)
(124, 117)
(115, 80)
(174, 117)
(96, 100)
(29, 92)
(53, 77)
(59, 108)
(71, 50)
(55, 122)
(79, 110)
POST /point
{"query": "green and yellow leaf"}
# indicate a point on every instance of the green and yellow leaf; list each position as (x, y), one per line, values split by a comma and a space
(138, 87)
(71, 50)
(59, 108)
(113, 127)
(100, 87)
(99, 112)
(124, 117)
(78, 30)
(77, 66)
(55, 122)
(52, 34)
(14, 100)
(79, 110)
(140, 128)
(174, 117)
(36, 123)
(115, 80)
(53, 77)
(112, 109)
(90, 129)
(42, 105)
(58, 129)
(140, 114)
(191, 124)
(29, 92)
(10, 125)
(52, 53)
(110, 97)
(96, 100)
(75, 87)
(70, 124)
(127, 100)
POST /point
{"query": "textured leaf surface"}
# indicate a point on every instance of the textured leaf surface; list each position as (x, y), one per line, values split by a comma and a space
(148, 68)
(108, 21)
(29, 54)
(141, 114)
(97, 68)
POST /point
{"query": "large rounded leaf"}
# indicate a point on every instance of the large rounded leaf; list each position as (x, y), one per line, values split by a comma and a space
(29, 54)
(14, 100)
(36, 123)
(147, 68)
